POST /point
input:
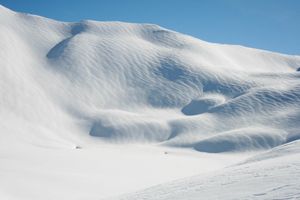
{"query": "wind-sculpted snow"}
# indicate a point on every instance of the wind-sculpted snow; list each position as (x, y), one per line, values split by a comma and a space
(203, 104)
(270, 176)
(83, 69)
(94, 109)
(241, 140)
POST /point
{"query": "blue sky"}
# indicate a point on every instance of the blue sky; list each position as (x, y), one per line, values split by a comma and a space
(266, 24)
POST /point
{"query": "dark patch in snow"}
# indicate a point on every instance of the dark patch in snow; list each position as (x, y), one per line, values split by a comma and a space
(171, 70)
(196, 107)
(293, 137)
(78, 28)
(238, 142)
(58, 49)
(100, 130)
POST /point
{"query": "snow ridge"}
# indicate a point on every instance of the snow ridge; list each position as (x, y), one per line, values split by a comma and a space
(81, 84)
(85, 69)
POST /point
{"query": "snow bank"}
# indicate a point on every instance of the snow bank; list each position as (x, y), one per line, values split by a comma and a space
(73, 96)
(65, 78)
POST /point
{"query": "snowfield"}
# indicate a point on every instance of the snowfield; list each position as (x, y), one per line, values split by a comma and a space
(113, 110)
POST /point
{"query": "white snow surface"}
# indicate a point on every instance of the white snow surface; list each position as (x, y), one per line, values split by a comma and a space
(94, 110)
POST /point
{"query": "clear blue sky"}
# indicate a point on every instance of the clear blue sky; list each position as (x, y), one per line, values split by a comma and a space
(267, 24)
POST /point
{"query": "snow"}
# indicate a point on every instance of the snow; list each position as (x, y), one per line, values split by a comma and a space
(93, 110)
(267, 179)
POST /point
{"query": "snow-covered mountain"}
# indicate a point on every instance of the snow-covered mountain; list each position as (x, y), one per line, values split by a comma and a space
(88, 104)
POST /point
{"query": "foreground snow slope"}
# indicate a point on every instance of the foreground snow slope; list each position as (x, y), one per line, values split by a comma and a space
(98, 86)
(270, 178)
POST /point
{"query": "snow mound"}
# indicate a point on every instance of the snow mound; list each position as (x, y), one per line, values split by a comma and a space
(123, 82)
(202, 105)
(241, 140)
(81, 103)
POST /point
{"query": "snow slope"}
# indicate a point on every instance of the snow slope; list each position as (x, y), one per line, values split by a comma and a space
(81, 101)
(272, 178)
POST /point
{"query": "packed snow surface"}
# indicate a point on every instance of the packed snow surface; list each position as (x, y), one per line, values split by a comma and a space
(93, 110)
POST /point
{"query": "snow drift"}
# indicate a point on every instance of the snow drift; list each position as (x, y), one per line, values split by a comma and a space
(141, 83)
(89, 83)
